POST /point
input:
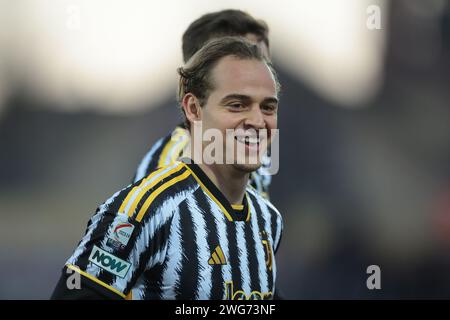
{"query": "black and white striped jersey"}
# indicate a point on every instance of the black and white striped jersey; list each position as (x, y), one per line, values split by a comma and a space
(169, 149)
(173, 235)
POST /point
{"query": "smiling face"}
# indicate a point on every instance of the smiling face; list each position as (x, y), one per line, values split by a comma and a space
(243, 99)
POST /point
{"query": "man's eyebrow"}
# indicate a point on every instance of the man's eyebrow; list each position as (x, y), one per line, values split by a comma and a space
(270, 100)
(235, 96)
(246, 98)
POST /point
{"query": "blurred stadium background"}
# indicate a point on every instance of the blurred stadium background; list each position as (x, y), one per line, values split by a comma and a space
(86, 87)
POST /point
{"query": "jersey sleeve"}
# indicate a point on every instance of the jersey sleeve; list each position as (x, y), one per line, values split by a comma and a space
(116, 249)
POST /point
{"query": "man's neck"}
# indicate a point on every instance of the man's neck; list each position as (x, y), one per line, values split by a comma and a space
(228, 180)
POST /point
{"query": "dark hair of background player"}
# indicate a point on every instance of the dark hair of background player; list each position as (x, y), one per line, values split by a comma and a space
(219, 24)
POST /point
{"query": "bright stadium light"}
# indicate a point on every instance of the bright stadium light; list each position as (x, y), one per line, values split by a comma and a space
(121, 56)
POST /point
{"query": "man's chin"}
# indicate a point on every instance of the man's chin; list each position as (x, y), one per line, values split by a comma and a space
(247, 168)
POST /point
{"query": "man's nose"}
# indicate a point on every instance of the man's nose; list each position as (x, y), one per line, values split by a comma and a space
(255, 118)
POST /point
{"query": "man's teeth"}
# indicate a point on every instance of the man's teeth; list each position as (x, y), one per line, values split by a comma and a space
(250, 140)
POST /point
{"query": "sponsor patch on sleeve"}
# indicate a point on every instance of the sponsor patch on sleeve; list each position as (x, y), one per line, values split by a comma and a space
(109, 262)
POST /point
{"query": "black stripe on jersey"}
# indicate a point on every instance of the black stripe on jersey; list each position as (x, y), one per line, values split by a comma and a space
(217, 283)
(189, 273)
(245, 213)
(160, 197)
(153, 283)
(234, 254)
(215, 191)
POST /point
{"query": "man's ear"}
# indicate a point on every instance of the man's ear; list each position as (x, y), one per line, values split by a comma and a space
(191, 107)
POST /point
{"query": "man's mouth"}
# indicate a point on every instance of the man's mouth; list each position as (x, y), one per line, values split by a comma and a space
(248, 140)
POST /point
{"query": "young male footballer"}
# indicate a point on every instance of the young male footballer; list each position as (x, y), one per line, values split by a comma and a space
(194, 229)
(212, 25)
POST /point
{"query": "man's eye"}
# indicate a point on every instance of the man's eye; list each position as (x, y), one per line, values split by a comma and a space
(269, 108)
(236, 105)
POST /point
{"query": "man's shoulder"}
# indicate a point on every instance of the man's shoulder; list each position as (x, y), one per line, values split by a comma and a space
(164, 187)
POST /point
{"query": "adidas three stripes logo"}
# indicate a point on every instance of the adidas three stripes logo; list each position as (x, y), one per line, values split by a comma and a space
(217, 257)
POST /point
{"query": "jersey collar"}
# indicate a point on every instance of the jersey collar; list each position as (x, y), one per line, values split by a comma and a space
(217, 196)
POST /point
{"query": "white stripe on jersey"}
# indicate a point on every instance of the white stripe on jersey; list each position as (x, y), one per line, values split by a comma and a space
(221, 226)
(149, 228)
(205, 270)
(142, 169)
(138, 190)
(171, 274)
(262, 270)
(94, 224)
(279, 230)
(243, 255)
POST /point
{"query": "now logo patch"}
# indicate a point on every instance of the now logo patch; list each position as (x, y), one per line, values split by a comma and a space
(109, 262)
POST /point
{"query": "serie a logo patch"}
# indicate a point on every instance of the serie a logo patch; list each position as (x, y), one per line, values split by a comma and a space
(121, 234)
(109, 262)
